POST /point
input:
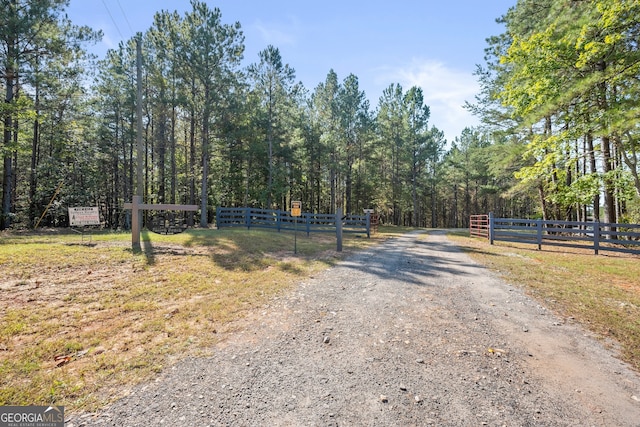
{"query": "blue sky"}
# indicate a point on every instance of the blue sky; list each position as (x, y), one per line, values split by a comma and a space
(432, 44)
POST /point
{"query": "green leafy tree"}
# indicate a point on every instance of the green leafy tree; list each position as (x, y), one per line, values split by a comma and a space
(59, 123)
(214, 52)
(355, 125)
(37, 43)
(274, 84)
(327, 121)
(420, 145)
(567, 71)
(164, 90)
(115, 107)
(391, 151)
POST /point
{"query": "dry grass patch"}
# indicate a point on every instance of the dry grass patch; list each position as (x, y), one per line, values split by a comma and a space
(80, 324)
(601, 292)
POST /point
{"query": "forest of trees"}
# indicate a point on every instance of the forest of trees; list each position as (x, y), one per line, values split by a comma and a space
(563, 84)
(559, 106)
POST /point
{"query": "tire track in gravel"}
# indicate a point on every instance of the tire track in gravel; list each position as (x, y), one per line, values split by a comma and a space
(411, 332)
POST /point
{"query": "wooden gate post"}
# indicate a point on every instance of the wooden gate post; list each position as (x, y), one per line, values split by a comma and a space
(368, 225)
(339, 229)
(491, 228)
(136, 213)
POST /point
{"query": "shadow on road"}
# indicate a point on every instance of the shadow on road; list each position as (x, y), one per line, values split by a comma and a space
(413, 258)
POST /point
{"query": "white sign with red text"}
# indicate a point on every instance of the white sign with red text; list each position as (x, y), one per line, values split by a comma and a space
(82, 216)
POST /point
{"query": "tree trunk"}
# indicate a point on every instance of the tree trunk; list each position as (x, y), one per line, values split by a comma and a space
(607, 165)
(116, 175)
(593, 170)
(467, 193)
(162, 146)
(334, 180)
(456, 223)
(7, 174)
(35, 148)
(270, 153)
(349, 187)
(631, 160)
(204, 193)
(173, 156)
(434, 219)
(543, 202)
(415, 220)
(609, 199)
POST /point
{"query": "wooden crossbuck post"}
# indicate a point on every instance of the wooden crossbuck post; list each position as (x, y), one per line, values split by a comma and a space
(136, 206)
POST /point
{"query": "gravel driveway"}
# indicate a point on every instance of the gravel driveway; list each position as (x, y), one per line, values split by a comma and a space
(409, 333)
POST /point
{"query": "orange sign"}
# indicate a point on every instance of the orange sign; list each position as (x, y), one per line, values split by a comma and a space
(296, 208)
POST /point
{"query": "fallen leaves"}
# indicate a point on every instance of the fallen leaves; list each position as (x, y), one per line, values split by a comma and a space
(497, 351)
(63, 359)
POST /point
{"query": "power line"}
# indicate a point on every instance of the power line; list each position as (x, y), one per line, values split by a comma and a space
(125, 17)
(112, 20)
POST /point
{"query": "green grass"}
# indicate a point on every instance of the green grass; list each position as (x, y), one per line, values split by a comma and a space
(601, 292)
(121, 316)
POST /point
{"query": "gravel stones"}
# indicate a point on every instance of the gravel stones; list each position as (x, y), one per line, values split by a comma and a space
(405, 330)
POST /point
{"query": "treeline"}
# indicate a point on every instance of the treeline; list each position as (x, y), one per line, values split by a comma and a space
(219, 134)
(563, 85)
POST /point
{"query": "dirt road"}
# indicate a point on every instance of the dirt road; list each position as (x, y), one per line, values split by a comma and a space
(409, 333)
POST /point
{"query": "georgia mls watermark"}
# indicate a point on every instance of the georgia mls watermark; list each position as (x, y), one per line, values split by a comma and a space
(31, 416)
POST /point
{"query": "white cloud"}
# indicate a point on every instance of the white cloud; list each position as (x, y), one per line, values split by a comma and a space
(445, 92)
(108, 42)
(278, 34)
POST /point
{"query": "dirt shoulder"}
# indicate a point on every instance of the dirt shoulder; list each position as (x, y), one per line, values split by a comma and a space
(411, 332)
